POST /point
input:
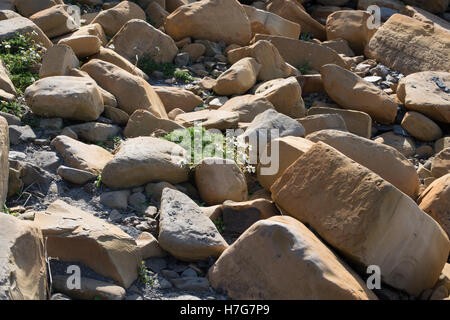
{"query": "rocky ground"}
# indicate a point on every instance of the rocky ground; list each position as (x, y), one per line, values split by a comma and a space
(93, 175)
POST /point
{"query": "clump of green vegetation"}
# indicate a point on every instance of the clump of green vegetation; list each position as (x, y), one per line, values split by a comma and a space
(144, 274)
(7, 210)
(183, 76)
(98, 182)
(20, 54)
(12, 107)
(305, 36)
(148, 65)
(220, 225)
(305, 67)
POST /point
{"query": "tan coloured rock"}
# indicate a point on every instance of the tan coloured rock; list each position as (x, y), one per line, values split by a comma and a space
(322, 122)
(138, 38)
(366, 218)
(239, 78)
(58, 61)
(95, 131)
(184, 231)
(298, 52)
(131, 92)
(267, 55)
(65, 97)
(113, 57)
(113, 19)
(103, 247)
(30, 7)
(351, 25)
(11, 27)
(174, 97)
(396, 43)
(285, 95)
(340, 45)
(209, 119)
(442, 144)
(421, 127)
(149, 246)
(5, 82)
(286, 151)
(404, 145)
(94, 29)
(279, 258)
(383, 160)
(353, 92)
(81, 156)
(205, 20)
(55, 21)
(265, 22)
(23, 275)
(157, 14)
(84, 45)
(195, 50)
(441, 163)
(434, 6)
(424, 92)
(219, 179)
(144, 123)
(145, 159)
(435, 201)
(247, 106)
(172, 5)
(90, 289)
(357, 122)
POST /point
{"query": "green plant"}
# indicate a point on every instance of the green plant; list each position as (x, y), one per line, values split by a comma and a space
(220, 225)
(8, 211)
(306, 36)
(12, 107)
(98, 182)
(144, 274)
(183, 76)
(147, 64)
(305, 67)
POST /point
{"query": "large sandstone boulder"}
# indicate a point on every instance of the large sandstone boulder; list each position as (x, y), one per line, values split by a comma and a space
(5, 82)
(113, 57)
(113, 19)
(82, 156)
(265, 22)
(209, 119)
(298, 52)
(384, 160)
(319, 122)
(185, 231)
(65, 97)
(352, 26)
(279, 258)
(212, 20)
(239, 78)
(92, 30)
(103, 247)
(4, 163)
(144, 123)
(421, 127)
(441, 163)
(400, 41)
(247, 106)
(405, 145)
(55, 21)
(23, 272)
(219, 180)
(83, 45)
(435, 201)
(353, 92)
(58, 61)
(30, 7)
(425, 92)
(20, 25)
(267, 55)
(175, 97)
(131, 92)
(367, 219)
(145, 159)
(138, 38)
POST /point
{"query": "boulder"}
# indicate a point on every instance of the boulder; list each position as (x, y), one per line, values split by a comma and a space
(195, 50)
(239, 78)
(435, 201)
(128, 42)
(149, 246)
(405, 145)
(279, 258)
(116, 115)
(247, 106)
(83, 45)
(340, 45)
(76, 176)
(82, 156)
(265, 22)
(90, 289)
(322, 122)
(353, 92)
(30, 7)
(145, 159)
(267, 55)
(209, 119)
(95, 131)
(219, 179)
(112, 20)
(285, 95)
(357, 122)
(65, 97)
(101, 246)
(55, 21)
(131, 92)
(58, 61)
(441, 163)
(144, 123)
(175, 97)
(421, 127)
(383, 160)
(113, 57)
(157, 14)
(23, 275)
(442, 144)
(184, 231)
(428, 93)
(20, 25)
(396, 43)
(92, 30)
(5, 82)
(205, 20)
(434, 6)
(367, 219)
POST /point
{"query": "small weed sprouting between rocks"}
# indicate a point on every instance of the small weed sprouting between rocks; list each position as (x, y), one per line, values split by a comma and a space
(144, 274)
(98, 182)
(304, 68)
(148, 65)
(183, 76)
(12, 107)
(7, 210)
(20, 55)
(220, 225)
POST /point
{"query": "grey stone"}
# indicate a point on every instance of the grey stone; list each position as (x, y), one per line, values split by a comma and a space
(189, 273)
(182, 59)
(19, 134)
(189, 283)
(76, 176)
(115, 199)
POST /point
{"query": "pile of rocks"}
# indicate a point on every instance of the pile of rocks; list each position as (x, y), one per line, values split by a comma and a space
(354, 112)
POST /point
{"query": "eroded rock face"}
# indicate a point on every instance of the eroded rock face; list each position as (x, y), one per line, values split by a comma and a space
(279, 258)
(23, 272)
(103, 247)
(205, 20)
(367, 219)
(145, 159)
(185, 231)
(441, 163)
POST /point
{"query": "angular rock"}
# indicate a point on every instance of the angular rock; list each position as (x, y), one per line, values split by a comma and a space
(174, 97)
(322, 122)
(441, 144)
(94, 29)
(144, 123)
(55, 21)
(209, 119)
(145, 159)
(91, 289)
(76, 176)
(5, 82)
(149, 246)
(65, 97)
(434, 6)
(103, 247)
(113, 57)
(184, 231)
(404, 145)
(421, 127)
(20, 25)
(157, 14)
(115, 199)
(441, 163)
(363, 216)
(247, 106)
(83, 45)
(279, 258)
(58, 61)
(95, 131)
(30, 7)
(116, 115)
